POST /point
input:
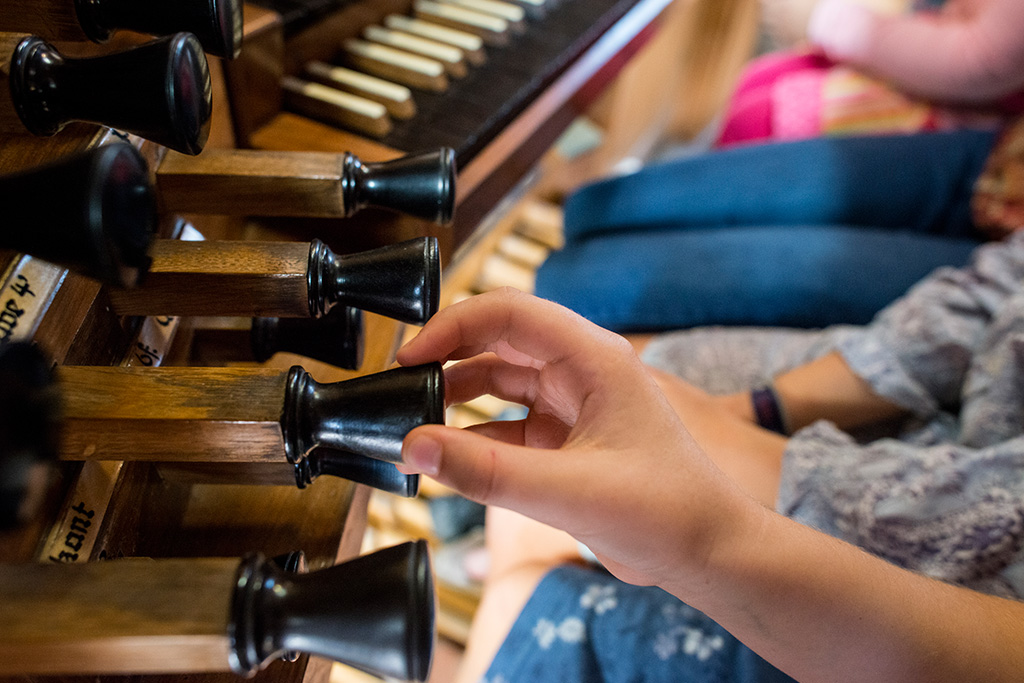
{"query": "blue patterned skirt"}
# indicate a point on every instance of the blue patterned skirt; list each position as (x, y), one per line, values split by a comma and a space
(582, 625)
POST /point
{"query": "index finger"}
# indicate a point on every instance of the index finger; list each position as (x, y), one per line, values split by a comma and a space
(519, 328)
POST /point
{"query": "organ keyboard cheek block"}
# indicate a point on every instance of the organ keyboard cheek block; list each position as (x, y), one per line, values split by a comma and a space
(258, 183)
(216, 23)
(286, 280)
(169, 101)
(241, 415)
(144, 616)
(94, 213)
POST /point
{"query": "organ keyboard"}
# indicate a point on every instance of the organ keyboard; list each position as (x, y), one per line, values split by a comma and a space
(511, 105)
(496, 113)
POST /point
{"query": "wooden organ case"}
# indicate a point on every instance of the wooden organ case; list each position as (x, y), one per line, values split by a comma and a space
(226, 499)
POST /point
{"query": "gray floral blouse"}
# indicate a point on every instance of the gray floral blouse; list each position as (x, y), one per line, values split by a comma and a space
(941, 493)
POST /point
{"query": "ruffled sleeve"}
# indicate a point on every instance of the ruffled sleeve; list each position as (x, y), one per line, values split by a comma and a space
(951, 512)
(918, 351)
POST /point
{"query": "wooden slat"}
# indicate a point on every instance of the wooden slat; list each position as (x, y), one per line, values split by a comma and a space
(135, 616)
(261, 279)
(253, 183)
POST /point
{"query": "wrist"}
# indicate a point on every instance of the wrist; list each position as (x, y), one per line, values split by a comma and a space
(736, 528)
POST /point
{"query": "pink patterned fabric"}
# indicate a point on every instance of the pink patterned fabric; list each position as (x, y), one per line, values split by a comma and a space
(797, 105)
(752, 114)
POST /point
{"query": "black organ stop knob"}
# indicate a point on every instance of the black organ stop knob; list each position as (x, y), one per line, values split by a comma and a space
(375, 612)
(400, 281)
(93, 212)
(160, 91)
(318, 184)
(420, 185)
(368, 415)
(149, 616)
(286, 280)
(240, 415)
(216, 23)
(358, 468)
(335, 338)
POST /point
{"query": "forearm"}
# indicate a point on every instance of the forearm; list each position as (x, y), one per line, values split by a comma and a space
(822, 610)
(827, 389)
(824, 389)
(972, 60)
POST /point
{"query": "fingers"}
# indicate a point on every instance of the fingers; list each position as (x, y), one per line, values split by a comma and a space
(508, 431)
(480, 468)
(519, 328)
(488, 374)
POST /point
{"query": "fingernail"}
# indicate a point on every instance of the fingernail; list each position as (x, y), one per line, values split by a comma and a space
(424, 454)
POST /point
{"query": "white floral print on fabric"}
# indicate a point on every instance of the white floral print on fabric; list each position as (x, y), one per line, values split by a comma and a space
(596, 597)
(682, 637)
(689, 641)
(571, 630)
(545, 633)
(599, 598)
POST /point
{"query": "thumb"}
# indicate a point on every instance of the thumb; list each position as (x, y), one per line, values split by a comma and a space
(476, 466)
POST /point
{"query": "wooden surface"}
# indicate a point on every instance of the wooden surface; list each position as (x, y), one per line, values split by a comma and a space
(259, 279)
(251, 183)
(504, 162)
(141, 514)
(10, 122)
(334, 107)
(225, 394)
(130, 616)
(172, 414)
(49, 19)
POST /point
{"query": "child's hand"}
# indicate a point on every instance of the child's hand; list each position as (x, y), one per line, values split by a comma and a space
(601, 455)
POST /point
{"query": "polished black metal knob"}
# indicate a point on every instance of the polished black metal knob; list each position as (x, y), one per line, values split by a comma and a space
(336, 338)
(216, 23)
(358, 468)
(375, 613)
(160, 91)
(94, 213)
(421, 185)
(368, 415)
(400, 281)
(29, 430)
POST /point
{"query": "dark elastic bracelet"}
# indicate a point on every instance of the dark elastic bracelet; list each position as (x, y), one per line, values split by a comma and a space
(767, 410)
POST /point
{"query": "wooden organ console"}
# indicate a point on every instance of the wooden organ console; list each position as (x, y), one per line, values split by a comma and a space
(207, 264)
(513, 102)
